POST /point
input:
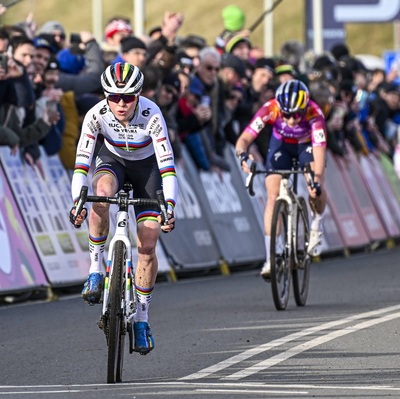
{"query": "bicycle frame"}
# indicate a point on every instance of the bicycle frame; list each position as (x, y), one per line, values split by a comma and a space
(121, 234)
(288, 193)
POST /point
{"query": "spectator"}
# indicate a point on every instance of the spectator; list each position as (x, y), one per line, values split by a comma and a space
(116, 29)
(240, 46)
(88, 79)
(56, 30)
(133, 51)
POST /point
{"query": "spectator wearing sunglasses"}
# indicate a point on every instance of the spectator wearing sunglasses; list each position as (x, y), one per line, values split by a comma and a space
(136, 150)
(298, 132)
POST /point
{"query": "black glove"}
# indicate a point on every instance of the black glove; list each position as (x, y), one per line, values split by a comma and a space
(243, 157)
(72, 217)
(317, 187)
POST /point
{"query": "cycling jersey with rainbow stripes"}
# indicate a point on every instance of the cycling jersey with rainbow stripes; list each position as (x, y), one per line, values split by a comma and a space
(145, 135)
(311, 127)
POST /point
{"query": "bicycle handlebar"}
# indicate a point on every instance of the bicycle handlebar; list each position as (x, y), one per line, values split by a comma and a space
(284, 172)
(122, 199)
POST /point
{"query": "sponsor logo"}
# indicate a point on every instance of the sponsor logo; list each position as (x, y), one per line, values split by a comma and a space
(103, 110)
(146, 112)
(82, 156)
(166, 159)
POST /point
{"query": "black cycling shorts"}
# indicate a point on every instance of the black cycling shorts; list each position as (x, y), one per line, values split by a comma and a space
(144, 175)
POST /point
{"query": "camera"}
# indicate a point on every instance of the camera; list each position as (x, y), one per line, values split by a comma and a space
(75, 42)
(3, 62)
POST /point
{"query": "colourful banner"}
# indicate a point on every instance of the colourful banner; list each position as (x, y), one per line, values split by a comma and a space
(44, 198)
(20, 267)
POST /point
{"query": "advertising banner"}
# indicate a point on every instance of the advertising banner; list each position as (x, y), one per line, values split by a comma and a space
(44, 199)
(231, 214)
(20, 267)
(192, 244)
(343, 206)
(386, 201)
(331, 238)
(357, 188)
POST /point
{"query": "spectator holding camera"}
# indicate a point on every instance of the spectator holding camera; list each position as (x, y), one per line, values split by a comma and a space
(87, 80)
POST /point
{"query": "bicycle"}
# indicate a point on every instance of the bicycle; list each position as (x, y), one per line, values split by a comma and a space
(119, 301)
(290, 233)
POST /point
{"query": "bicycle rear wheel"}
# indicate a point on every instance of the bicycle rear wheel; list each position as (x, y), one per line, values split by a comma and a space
(116, 341)
(301, 270)
(280, 258)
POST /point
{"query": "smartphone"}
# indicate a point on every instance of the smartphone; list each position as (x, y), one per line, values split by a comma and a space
(3, 62)
(52, 108)
(205, 100)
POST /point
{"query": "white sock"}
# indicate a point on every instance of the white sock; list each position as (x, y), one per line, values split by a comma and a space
(316, 223)
(96, 250)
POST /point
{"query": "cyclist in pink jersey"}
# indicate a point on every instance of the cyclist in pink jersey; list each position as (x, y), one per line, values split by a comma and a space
(298, 132)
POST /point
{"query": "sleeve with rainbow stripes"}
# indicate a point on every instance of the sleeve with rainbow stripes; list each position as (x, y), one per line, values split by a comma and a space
(165, 158)
(84, 155)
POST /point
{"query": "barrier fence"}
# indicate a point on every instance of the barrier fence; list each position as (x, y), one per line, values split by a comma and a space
(218, 223)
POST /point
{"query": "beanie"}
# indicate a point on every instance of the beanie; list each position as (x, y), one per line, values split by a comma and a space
(233, 17)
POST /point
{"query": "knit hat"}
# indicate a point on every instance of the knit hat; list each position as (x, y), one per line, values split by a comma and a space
(130, 43)
(236, 63)
(50, 26)
(233, 41)
(285, 68)
(265, 63)
(70, 63)
(53, 65)
(172, 79)
(115, 26)
(233, 17)
(196, 87)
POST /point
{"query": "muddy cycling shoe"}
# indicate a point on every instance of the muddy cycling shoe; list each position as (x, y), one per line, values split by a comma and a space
(93, 288)
(265, 272)
(144, 341)
(315, 244)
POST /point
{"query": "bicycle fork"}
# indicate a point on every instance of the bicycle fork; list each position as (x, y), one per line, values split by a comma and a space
(128, 302)
(285, 194)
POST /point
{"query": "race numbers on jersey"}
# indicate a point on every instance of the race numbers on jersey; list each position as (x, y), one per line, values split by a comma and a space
(163, 148)
(257, 125)
(86, 143)
(319, 136)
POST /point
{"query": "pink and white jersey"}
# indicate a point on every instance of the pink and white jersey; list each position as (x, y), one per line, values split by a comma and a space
(145, 135)
(310, 129)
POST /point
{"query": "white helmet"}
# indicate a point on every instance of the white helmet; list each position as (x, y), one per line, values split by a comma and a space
(122, 78)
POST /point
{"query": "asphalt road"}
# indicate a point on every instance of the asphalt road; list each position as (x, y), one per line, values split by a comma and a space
(221, 337)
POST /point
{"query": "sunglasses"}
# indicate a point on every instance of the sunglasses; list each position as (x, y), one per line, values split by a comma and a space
(126, 98)
(211, 68)
(295, 115)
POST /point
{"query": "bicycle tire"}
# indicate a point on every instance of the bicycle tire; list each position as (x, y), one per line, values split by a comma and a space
(116, 339)
(301, 271)
(280, 260)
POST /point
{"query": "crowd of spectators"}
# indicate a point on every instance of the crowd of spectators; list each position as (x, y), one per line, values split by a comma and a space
(207, 92)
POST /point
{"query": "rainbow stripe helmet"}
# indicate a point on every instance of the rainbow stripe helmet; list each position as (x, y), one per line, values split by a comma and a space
(122, 78)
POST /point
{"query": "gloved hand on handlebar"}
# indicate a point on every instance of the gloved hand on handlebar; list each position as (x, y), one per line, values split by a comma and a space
(79, 219)
(170, 225)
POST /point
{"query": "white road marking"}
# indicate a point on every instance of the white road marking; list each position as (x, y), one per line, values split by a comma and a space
(280, 341)
(274, 360)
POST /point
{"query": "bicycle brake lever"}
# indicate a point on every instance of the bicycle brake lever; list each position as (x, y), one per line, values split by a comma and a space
(310, 175)
(163, 208)
(81, 202)
(250, 178)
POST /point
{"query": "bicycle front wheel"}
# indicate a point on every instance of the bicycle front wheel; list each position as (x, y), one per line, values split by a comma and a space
(116, 341)
(301, 271)
(280, 257)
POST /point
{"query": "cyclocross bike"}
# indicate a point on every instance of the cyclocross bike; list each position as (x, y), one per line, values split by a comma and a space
(119, 300)
(290, 232)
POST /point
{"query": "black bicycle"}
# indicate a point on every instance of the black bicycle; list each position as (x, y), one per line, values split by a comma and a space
(119, 295)
(290, 233)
